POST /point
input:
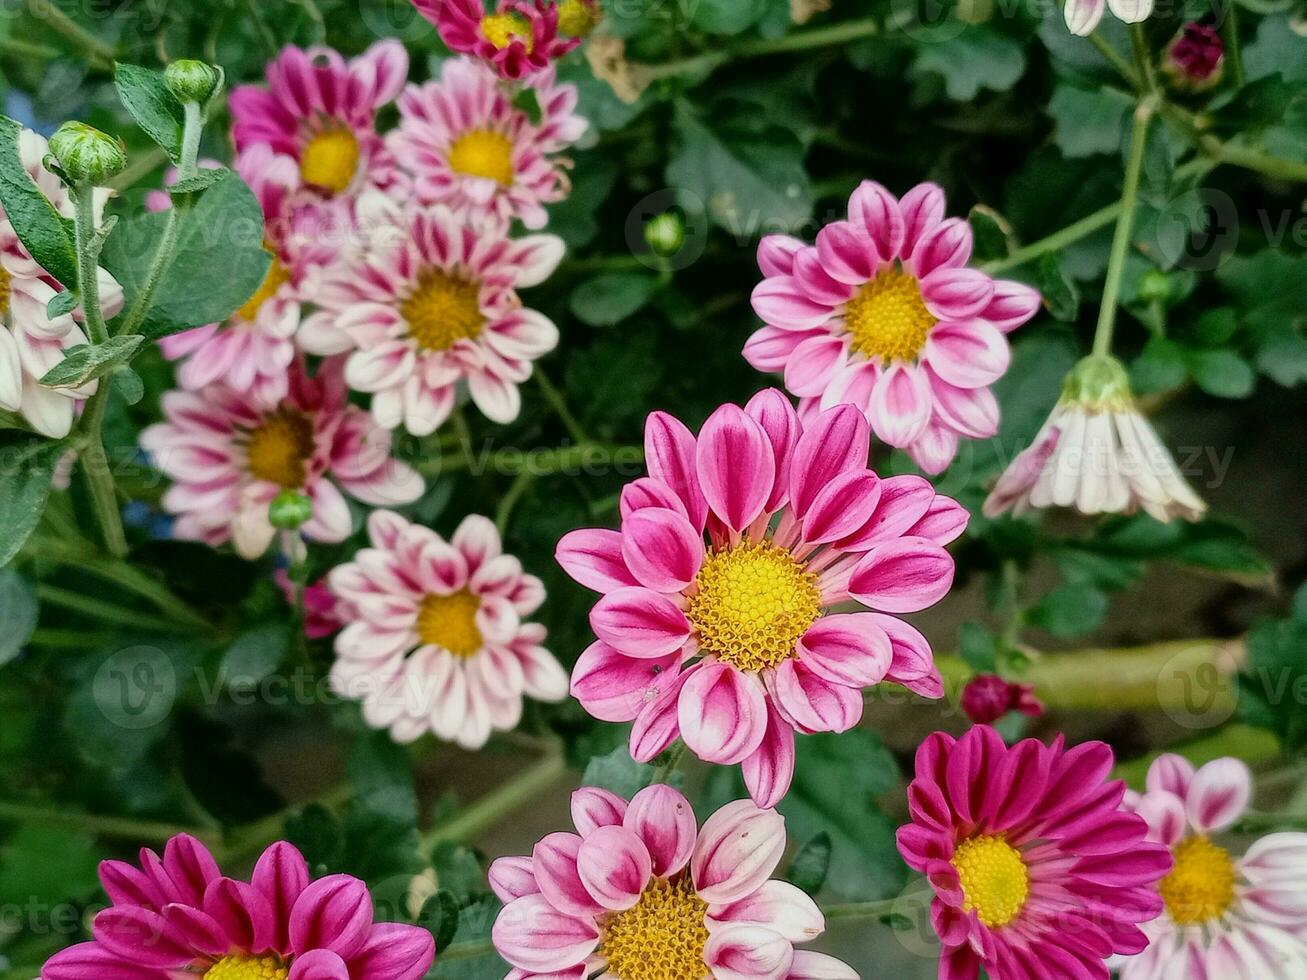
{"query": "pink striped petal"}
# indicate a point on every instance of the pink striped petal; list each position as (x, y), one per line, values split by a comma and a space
(281, 874)
(906, 575)
(779, 906)
(847, 254)
(904, 500)
(842, 507)
(1014, 303)
(190, 867)
(970, 354)
(935, 448)
(770, 348)
(739, 847)
(669, 452)
(1164, 813)
(333, 913)
(614, 687)
(640, 623)
(554, 862)
(593, 557)
(748, 952)
(812, 703)
(811, 965)
(780, 423)
(664, 820)
(661, 549)
(722, 714)
(781, 302)
(320, 964)
(813, 364)
(533, 935)
(776, 254)
(922, 208)
(648, 492)
(849, 649)
(1172, 773)
(91, 961)
(815, 282)
(770, 770)
(838, 441)
(946, 246)
(735, 466)
(141, 936)
(593, 808)
(1219, 795)
(901, 404)
(395, 951)
(875, 211)
(615, 867)
(971, 412)
(511, 878)
(956, 294)
(657, 726)
(943, 523)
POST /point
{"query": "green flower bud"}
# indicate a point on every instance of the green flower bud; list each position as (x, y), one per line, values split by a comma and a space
(193, 81)
(1155, 286)
(665, 234)
(85, 153)
(290, 510)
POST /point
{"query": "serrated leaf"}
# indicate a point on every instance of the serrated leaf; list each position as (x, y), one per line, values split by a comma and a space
(458, 871)
(618, 773)
(18, 613)
(474, 924)
(202, 181)
(1089, 121)
(86, 362)
(155, 109)
(978, 57)
(811, 864)
(47, 235)
(27, 465)
(610, 298)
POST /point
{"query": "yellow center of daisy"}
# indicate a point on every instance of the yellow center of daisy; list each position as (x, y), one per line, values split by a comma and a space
(442, 310)
(995, 880)
(330, 159)
(661, 937)
(280, 448)
(483, 153)
(887, 318)
(1200, 887)
(752, 603)
(576, 18)
(6, 290)
(501, 30)
(247, 968)
(277, 277)
(450, 621)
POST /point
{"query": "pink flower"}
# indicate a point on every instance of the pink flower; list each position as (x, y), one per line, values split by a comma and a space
(438, 306)
(728, 644)
(320, 110)
(988, 697)
(1083, 16)
(178, 916)
(640, 892)
(469, 147)
(520, 38)
(883, 313)
(1195, 57)
(1037, 869)
(436, 637)
(1224, 916)
(230, 456)
(321, 610)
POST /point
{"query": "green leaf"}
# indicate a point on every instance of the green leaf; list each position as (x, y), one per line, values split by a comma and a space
(42, 865)
(1161, 367)
(317, 832)
(618, 773)
(1222, 373)
(610, 298)
(254, 655)
(129, 385)
(1089, 121)
(18, 613)
(1299, 607)
(155, 109)
(992, 233)
(727, 17)
(978, 647)
(811, 864)
(978, 57)
(62, 303)
(1069, 610)
(474, 924)
(439, 916)
(27, 465)
(47, 235)
(1061, 297)
(528, 101)
(201, 182)
(86, 362)
(458, 872)
(219, 263)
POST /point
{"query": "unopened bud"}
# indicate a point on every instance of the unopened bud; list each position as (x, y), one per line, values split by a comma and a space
(1195, 59)
(193, 81)
(665, 234)
(85, 153)
(290, 510)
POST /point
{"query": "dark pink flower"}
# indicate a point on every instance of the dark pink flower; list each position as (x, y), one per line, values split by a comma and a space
(1196, 55)
(518, 39)
(321, 613)
(988, 697)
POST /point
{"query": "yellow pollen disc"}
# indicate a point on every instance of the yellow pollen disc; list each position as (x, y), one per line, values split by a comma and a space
(501, 30)
(576, 18)
(1200, 887)
(752, 604)
(887, 318)
(6, 290)
(280, 448)
(483, 153)
(330, 160)
(247, 968)
(450, 621)
(277, 277)
(995, 880)
(661, 937)
(442, 310)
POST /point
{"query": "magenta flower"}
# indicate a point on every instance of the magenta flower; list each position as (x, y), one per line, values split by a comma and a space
(469, 147)
(728, 644)
(883, 313)
(1037, 869)
(1195, 58)
(321, 608)
(518, 39)
(641, 893)
(1224, 916)
(988, 697)
(178, 916)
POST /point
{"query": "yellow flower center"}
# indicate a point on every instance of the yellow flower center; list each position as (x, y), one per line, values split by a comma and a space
(247, 968)
(330, 159)
(661, 937)
(277, 277)
(450, 621)
(6, 290)
(576, 18)
(1200, 887)
(483, 153)
(752, 603)
(501, 30)
(442, 310)
(887, 318)
(995, 880)
(280, 448)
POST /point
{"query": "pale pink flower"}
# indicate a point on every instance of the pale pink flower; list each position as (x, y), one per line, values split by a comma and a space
(1083, 16)
(436, 638)
(469, 147)
(1224, 916)
(432, 303)
(883, 313)
(732, 644)
(640, 892)
(229, 457)
(518, 39)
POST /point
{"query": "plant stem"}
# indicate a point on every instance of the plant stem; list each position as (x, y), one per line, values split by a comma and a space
(1233, 48)
(1115, 59)
(125, 828)
(536, 462)
(88, 262)
(108, 612)
(470, 950)
(500, 802)
(96, 50)
(559, 404)
(1250, 159)
(863, 910)
(1124, 227)
(510, 500)
(818, 37)
(1144, 68)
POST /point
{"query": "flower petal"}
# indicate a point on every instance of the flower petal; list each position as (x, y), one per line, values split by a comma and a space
(738, 849)
(722, 714)
(533, 935)
(615, 866)
(735, 466)
(1219, 795)
(663, 818)
(906, 575)
(969, 354)
(848, 649)
(662, 549)
(640, 623)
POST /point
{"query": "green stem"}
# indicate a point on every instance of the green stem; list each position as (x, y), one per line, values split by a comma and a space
(536, 462)
(1261, 823)
(1250, 159)
(470, 950)
(818, 37)
(1124, 226)
(124, 828)
(863, 910)
(499, 803)
(667, 764)
(559, 404)
(88, 262)
(1145, 70)
(1233, 47)
(510, 500)
(104, 611)
(95, 49)
(1115, 59)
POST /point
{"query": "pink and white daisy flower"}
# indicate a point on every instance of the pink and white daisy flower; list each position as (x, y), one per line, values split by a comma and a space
(517, 40)
(229, 456)
(1224, 916)
(434, 308)
(469, 147)
(1037, 869)
(320, 110)
(179, 916)
(1083, 16)
(640, 892)
(31, 342)
(436, 638)
(731, 644)
(883, 313)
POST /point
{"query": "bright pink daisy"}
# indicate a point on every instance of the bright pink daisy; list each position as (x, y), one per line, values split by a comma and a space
(1225, 916)
(518, 39)
(641, 893)
(1037, 869)
(469, 147)
(730, 643)
(434, 308)
(230, 456)
(178, 917)
(320, 110)
(436, 638)
(883, 313)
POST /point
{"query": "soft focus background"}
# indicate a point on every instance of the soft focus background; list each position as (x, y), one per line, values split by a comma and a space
(115, 731)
